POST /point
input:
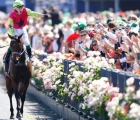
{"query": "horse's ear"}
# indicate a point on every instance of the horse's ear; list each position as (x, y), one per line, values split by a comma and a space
(9, 36)
(19, 37)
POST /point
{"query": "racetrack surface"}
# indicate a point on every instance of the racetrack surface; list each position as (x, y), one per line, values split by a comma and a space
(33, 109)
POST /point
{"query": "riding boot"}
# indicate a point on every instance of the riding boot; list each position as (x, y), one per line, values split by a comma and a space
(6, 59)
(30, 54)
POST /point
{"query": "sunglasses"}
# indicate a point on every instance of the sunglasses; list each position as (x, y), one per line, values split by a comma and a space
(133, 19)
(83, 35)
(90, 25)
(72, 42)
(19, 6)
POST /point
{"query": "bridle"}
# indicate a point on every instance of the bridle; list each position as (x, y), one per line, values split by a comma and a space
(22, 51)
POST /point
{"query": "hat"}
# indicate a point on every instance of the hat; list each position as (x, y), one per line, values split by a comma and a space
(69, 22)
(139, 30)
(50, 35)
(47, 29)
(72, 37)
(91, 34)
(112, 53)
(121, 23)
(18, 3)
(134, 24)
(82, 26)
(134, 30)
(75, 20)
(90, 20)
(31, 31)
(75, 27)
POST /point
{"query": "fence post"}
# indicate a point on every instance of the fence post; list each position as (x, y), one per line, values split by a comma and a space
(103, 70)
(121, 81)
(137, 82)
(114, 77)
(108, 74)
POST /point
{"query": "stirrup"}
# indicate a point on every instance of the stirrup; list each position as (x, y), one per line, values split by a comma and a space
(31, 59)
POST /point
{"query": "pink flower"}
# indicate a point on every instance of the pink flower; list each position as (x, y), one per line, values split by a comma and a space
(48, 87)
(113, 95)
(47, 83)
(108, 88)
(106, 103)
(126, 107)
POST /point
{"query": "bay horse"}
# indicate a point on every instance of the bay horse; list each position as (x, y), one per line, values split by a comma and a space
(17, 75)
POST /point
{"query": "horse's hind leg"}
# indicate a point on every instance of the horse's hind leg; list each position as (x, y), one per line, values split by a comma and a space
(10, 93)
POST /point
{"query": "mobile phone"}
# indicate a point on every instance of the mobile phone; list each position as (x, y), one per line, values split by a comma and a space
(138, 56)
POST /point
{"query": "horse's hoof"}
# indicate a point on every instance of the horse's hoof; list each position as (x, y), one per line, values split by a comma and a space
(12, 117)
(20, 118)
(19, 115)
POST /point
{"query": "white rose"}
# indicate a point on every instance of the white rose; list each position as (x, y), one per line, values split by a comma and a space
(120, 96)
(138, 94)
(130, 81)
(130, 89)
(111, 61)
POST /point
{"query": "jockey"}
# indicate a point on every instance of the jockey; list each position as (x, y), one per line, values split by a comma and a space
(17, 21)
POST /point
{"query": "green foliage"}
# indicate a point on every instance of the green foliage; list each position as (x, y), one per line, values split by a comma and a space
(39, 83)
(100, 110)
(97, 75)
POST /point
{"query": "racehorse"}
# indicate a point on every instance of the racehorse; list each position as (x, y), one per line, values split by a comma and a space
(17, 75)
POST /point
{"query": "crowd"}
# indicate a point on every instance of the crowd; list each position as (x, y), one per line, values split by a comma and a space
(114, 35)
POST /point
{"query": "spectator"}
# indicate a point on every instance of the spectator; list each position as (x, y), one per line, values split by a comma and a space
(68, 31)
(55, 16)
(95, 47)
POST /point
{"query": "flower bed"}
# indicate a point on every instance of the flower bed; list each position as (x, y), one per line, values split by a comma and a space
(85, 92)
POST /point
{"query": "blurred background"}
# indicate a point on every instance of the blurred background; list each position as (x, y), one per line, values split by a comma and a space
(75, 6)
(62, 28)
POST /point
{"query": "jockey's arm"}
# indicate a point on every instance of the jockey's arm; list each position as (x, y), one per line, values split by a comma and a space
(33, 13)
(11, 28)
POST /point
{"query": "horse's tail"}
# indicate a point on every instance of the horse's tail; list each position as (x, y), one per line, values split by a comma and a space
(21, 88)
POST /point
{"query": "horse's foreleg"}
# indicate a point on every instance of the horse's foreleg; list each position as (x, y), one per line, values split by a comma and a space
(18, 103)
(22, 100)
(11, 105)
(10, 93)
